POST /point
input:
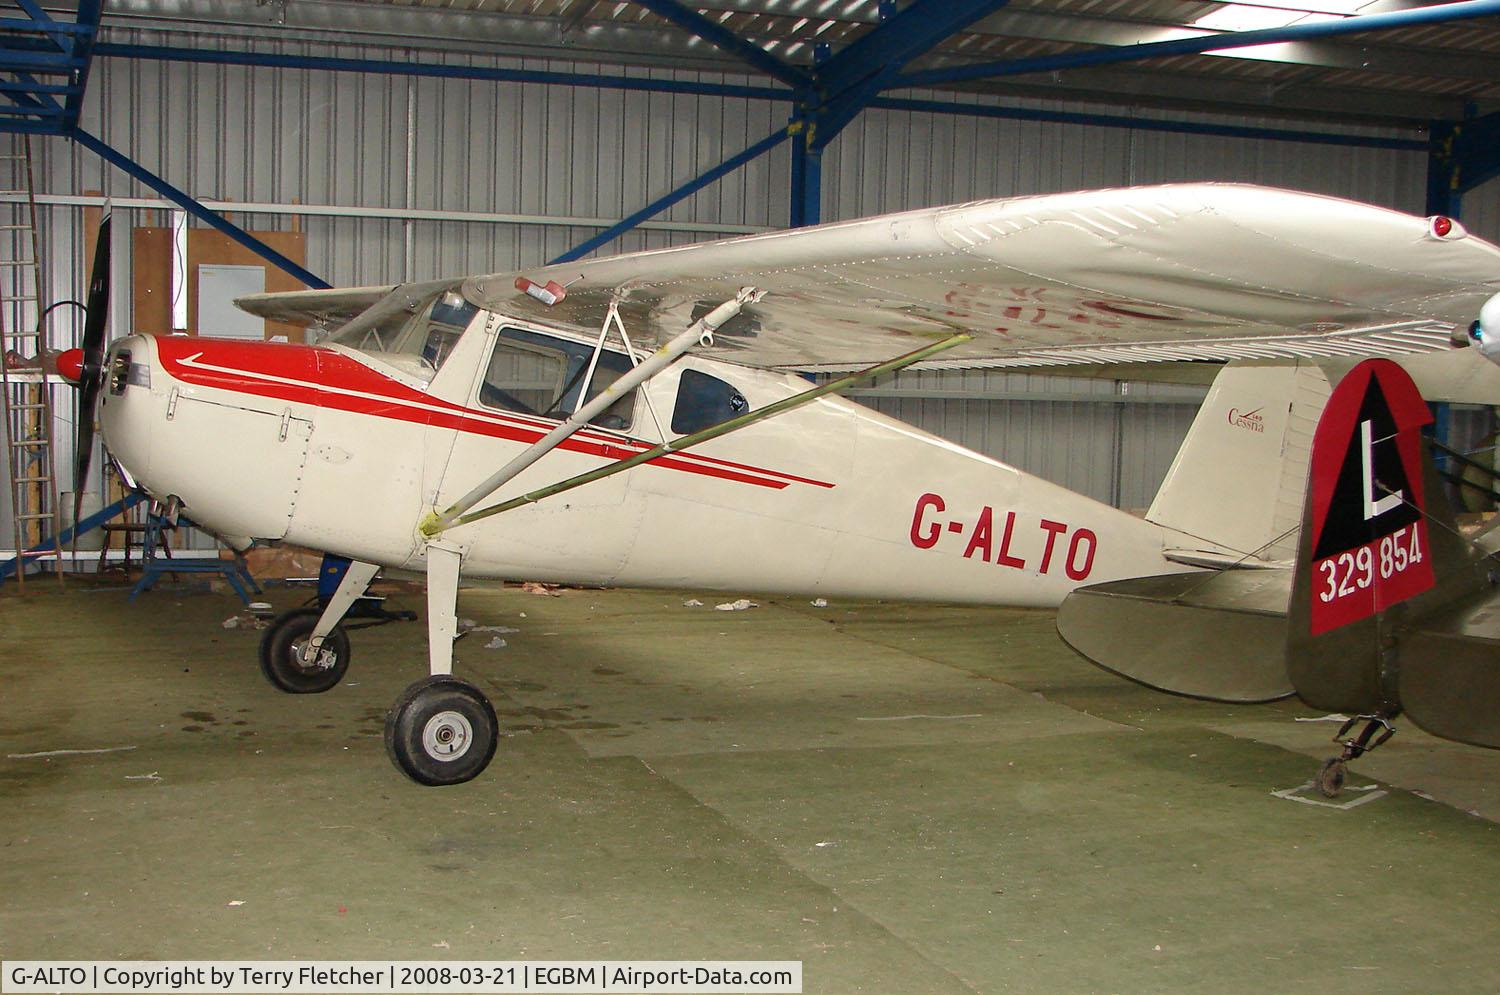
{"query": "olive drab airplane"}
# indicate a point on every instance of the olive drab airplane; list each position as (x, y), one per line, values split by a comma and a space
(640, 420)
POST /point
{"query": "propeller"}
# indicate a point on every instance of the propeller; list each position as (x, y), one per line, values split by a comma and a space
(85, 366)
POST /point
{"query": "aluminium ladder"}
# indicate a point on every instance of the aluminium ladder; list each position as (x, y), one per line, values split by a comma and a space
(25, 389)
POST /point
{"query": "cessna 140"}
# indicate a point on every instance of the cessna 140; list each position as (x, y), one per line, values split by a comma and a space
(513, 426)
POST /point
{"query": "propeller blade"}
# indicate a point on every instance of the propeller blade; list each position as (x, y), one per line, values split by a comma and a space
(91, 377)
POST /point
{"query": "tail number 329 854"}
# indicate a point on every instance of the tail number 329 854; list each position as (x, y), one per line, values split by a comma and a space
(1358, 569)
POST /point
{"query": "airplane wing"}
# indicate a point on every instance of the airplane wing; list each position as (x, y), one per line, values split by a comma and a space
(1147, 274)
(325, 308)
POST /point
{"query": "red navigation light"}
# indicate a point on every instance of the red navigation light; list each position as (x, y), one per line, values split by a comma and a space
(1441, 226)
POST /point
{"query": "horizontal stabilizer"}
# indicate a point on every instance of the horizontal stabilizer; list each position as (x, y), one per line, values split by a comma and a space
(1217, 636)
(1450, 674)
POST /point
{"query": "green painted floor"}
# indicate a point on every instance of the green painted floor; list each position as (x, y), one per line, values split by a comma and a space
(907, 799)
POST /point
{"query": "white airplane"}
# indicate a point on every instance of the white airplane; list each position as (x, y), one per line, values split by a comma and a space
(633, 421)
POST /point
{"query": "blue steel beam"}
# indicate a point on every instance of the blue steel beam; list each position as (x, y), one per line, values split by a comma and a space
(31, 106)
(31, 100)
(39, 96)
(689, 188)
(884, 49)
(39, 61)
(1463, 155)
(58, 89)
(1148, 124)
(847, 82)
(166, 54)
(32, 111)
(161, 53)
(197, 210)
(30, 126)
(55, 28)
(807, 183)
(722, 38)
(41, 21)
(1437, 14)
(853, 77)
(89, 12)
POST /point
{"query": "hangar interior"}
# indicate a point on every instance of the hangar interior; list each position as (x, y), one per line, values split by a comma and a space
(415, 141)
(947, 799)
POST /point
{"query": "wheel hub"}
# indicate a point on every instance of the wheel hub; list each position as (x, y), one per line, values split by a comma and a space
(324, 659)
(447, 736)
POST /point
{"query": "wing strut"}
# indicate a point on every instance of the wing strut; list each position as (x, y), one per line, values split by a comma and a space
(701, 330)
(712, 432)
(613, 320)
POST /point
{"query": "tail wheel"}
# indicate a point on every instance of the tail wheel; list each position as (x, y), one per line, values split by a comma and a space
(442, 730)
(1330, 779)
(281, 654)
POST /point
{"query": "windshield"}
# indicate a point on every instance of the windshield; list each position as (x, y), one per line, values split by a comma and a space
(414, 332)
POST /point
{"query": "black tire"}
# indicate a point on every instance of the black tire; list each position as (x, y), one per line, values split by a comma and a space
(1330, 779)
(282, 643)
(442, 730)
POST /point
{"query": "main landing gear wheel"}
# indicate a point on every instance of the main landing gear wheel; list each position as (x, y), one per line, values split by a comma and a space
(281, 654)
(442, 730)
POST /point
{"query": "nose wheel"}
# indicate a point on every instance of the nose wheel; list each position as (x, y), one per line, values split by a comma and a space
(442, 730)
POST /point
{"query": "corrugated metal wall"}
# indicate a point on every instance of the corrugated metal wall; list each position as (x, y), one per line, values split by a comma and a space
(890, 160)
(559, 154)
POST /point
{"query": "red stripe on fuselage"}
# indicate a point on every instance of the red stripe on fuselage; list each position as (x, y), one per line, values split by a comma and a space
(324, 378)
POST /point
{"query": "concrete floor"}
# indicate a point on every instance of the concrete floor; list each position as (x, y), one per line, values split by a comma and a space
(907, 799)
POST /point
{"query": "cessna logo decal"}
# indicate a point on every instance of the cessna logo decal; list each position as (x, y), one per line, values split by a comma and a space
(1250, 420)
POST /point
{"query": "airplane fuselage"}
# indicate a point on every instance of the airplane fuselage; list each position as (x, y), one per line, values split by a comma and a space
(340, 450)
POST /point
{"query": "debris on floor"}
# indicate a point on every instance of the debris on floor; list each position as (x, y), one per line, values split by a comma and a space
(736, 606)
(65, 753)
(495, 644)
(536, 587)
(692, 603)
(247, 621)
(819, 602)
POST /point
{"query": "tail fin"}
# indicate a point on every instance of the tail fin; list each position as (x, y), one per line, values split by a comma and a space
(1379, 548)
(1235, 492)
(1237, 481)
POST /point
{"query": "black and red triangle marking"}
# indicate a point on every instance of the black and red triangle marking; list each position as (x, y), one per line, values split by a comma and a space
(1366, 495)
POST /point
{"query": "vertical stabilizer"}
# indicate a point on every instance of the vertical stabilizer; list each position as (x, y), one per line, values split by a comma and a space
(1238, 478)
(1379, 550)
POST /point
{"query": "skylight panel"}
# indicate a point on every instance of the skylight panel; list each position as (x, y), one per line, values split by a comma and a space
(1259, 15)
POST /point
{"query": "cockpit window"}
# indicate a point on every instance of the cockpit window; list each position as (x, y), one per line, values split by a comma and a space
(538, 374)
(416, 333)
